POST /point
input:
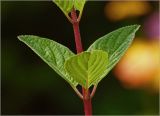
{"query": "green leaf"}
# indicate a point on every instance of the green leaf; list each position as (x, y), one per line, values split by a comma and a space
(87, 67)
(67, 5)
(53, 53)
(79, 5)
(115, 44)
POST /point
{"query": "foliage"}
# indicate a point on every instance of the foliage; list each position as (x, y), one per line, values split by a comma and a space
(67, 5)
(115, 44)
(87, 68)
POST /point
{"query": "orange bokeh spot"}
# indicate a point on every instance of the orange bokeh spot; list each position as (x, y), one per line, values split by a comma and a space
(140, 65)
(120, 10)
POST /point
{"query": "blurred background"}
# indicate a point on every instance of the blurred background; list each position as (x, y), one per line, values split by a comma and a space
(29, 86)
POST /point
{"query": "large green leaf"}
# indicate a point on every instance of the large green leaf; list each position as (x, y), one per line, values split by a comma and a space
(115, 44)
(53, 53)
(67, 5)
(87, 67)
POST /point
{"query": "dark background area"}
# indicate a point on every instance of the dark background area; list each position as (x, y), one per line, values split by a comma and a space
(29, 86)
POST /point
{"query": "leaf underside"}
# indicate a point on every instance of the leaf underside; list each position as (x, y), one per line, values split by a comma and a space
(115, 44)
(53, 53)
(87, 67)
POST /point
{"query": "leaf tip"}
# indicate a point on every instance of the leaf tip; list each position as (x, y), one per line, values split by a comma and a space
(137, 26)
(20, 37)
(25, 37)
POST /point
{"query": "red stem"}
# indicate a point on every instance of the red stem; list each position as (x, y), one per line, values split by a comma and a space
(87, 102)
(77, 35)
(86, 94)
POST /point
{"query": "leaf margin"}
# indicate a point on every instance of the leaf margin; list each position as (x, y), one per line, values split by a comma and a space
(91, 47)
(21, 37)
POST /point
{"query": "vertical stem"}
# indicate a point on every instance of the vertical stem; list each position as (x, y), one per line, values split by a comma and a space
(85, 92)
(87, 102)
(77, 35)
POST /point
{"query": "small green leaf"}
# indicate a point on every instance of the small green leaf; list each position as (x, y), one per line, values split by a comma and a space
(79, 5)
(115, 44)
(53, 53)
(67, 5)
(87, 67)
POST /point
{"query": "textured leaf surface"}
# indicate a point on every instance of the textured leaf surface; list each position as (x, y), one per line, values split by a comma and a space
(67, 5)
(53, 53)
(115, 44)
(87, 67)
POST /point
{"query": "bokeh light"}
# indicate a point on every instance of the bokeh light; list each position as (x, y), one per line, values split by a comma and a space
(152, 26)
(139, 65)
(126, 9)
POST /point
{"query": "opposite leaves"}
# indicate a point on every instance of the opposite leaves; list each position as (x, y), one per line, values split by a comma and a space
(67, 5)
(87, 67)
(53, 53)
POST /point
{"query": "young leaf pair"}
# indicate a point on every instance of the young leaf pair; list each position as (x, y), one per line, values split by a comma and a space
(87, 68)
(66, 6)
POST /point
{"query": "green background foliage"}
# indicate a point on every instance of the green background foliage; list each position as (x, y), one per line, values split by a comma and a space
(29, 86)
